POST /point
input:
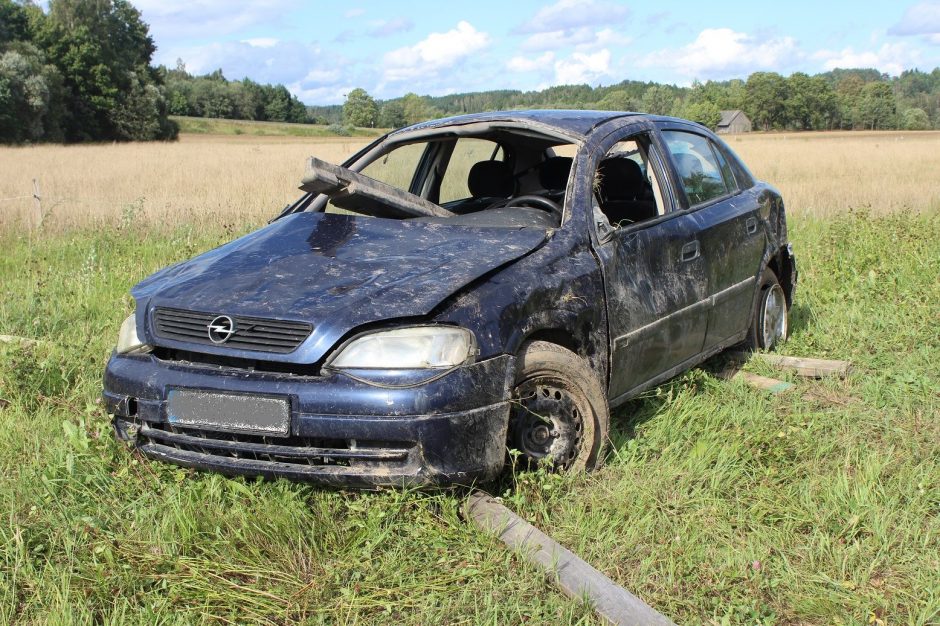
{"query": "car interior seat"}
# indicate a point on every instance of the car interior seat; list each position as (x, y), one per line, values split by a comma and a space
(624, 192)
(553, 174)
(491, 179)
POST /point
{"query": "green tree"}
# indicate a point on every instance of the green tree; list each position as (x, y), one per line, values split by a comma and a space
(705, 113)
(810, 103)
(103, 51)
(618, 100)
(659, 100)
(392, 115)
(417, 109)
(31, 107)
(360, 109)
(848, 98)
(14, 22)
(915, 119)
(765, 95)
(877, 106)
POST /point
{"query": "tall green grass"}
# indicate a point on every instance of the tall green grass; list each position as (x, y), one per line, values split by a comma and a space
(718, 504)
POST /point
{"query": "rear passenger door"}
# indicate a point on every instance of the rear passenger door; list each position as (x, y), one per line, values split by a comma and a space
(729, 230)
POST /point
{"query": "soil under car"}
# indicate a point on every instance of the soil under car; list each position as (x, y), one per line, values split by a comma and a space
(456, 289)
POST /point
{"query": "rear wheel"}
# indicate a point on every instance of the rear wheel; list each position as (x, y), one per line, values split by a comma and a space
(770, 323)
(559, 413)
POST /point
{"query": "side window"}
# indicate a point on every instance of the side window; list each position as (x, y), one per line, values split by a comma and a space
(625, 183)
(396, 168)
(726, 172)
(467, 152)
(699, 171)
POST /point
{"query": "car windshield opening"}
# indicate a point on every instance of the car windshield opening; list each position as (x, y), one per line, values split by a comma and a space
(500, 178)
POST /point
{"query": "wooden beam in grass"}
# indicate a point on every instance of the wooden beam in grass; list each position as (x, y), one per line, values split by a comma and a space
(801, 366)
(573, 575)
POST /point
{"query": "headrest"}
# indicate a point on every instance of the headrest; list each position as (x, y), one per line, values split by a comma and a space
(621, 179)
(554, 171)
(491, 179)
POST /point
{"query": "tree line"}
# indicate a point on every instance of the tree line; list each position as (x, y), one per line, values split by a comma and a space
(213, 95)
(840, 99)
(81, 71)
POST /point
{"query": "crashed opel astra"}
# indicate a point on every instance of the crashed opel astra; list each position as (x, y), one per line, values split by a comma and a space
(457, 290)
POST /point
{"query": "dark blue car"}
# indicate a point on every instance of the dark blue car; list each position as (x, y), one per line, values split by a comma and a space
(458, 289)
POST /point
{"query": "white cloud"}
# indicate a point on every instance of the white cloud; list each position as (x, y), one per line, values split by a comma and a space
(180, 19)
(384, 28)
(890, 58)
(352, 13)
(582, 68)
(723, 53)
(605, 38)
(525, 64)
(569, 14)
(922, 18)
(311, 73)
(262, 42)
(553, 40)
(583, 38)
(438, 51)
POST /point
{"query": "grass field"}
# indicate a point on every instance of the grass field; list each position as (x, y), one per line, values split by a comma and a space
(212, 126)
(244, 179)
(718, 504)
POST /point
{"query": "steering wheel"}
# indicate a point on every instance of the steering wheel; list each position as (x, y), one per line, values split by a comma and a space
(536, 202)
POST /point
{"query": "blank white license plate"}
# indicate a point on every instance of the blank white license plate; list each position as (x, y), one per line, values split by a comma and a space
(234, 412)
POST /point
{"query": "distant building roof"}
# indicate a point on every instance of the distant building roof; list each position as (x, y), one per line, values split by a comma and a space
(728, 116)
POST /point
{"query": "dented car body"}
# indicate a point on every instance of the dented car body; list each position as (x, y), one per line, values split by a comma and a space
(456, 289)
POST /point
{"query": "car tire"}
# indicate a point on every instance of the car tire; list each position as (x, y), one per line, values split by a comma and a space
(770, 322)
(559, 409)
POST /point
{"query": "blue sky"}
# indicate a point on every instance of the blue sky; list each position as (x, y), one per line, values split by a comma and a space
(321, 50)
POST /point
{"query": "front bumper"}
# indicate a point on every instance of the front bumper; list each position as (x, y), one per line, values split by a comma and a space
(343, 432)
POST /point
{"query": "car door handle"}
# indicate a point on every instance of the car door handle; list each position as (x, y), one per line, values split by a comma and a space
(751, 225)
(690, 251)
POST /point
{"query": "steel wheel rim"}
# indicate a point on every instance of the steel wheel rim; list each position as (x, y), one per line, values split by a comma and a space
(774, 314)
(547, 422)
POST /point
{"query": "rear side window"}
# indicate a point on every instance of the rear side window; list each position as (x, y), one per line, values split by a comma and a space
(699, 170)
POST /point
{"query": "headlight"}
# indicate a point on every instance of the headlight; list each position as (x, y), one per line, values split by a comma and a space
(417, 347)
(128, 341)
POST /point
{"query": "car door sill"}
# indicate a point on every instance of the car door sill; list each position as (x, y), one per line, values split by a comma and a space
(678, 369)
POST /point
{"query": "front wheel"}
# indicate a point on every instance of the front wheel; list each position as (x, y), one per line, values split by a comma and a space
(559, 413)
(770, 323)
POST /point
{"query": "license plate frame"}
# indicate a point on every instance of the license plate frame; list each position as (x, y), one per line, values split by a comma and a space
(224, 411)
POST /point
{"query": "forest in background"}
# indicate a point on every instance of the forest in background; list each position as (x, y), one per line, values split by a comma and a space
(82, 71)
(841, 99)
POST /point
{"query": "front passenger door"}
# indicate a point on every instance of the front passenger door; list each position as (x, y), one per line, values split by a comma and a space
(654, 278)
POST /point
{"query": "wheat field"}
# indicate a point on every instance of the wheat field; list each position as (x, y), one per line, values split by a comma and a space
(207, 179)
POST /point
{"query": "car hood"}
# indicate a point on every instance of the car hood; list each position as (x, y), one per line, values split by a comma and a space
(336, 272)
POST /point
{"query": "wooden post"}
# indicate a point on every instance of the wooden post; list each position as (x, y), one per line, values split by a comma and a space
(803, 366)
(575, 577)
(37, 201)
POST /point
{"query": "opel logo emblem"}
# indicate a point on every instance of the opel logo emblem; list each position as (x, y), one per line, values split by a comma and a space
(221, 329)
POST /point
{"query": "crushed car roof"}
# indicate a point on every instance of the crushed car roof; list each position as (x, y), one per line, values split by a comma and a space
(572, 121)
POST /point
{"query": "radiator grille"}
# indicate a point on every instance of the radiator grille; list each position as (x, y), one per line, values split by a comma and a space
(251, 333)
